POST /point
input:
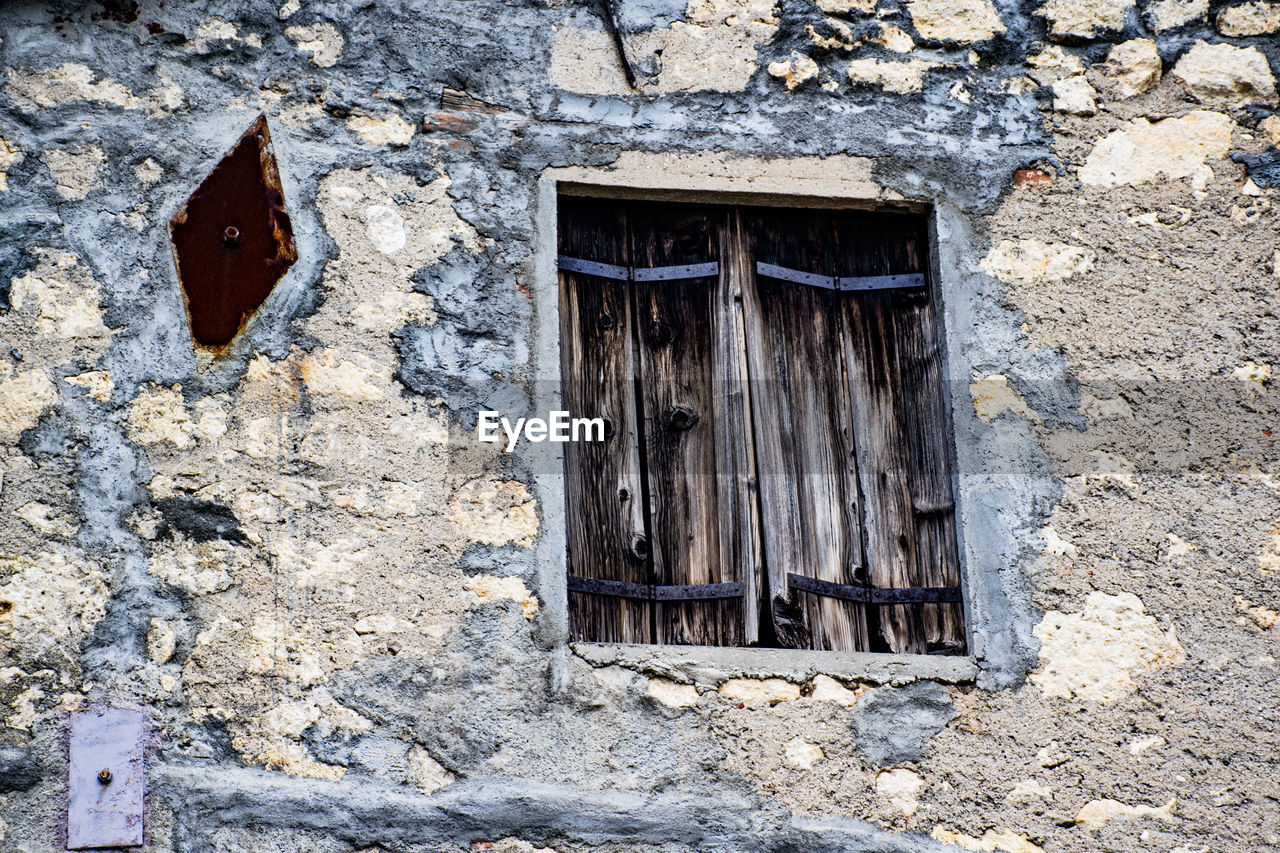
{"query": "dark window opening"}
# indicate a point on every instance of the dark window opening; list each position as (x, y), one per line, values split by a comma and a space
(777, 469)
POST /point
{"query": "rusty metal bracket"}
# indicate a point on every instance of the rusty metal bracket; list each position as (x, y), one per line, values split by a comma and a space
(232, 240)
(656, 592)
(107, 778)
(872, 595)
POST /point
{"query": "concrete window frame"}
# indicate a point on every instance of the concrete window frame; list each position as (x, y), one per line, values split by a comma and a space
(835, 183)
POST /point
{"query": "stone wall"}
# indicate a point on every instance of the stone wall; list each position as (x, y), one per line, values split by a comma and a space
(341, 611)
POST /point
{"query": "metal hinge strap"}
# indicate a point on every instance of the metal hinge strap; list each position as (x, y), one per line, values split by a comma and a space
(869, 595)
(656, 592)
(862, 282)
(621, 273)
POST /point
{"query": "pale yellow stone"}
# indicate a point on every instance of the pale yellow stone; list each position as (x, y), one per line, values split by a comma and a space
(1032, 260)
(760, 690)
(794, 70)
(428, 774)
(42, 519)
(1084, 18)
(212, 30)
(10, 156)
(801, 754)
(1094, 654)
(1254, 374)
(1169, 14)
(1004, 840)
(496, 512)
(1140, 745)
(288, 9)
(1222, 74)
(1178, 547)
(827, 689)
(321, 40)
(489, 588)
(1132, 67)
(1264, 616)
(197, 568)
(1055, 545)
(896, 77)
(1053, 64)
(162, 640)
(993, 395)
(845, 7)
(389, 129)
(1259, 18)
(842, 40)
(672, 693)
(1029, 790)
(1271, 127)
(1144, 151)
(892, 38)
(1074, 95)
(955, 21)
(900, 788)
(714, 47)
(59, 299)
(381, 623)
(24, 397)
(67, 84)
(158, 414)
(55, 599)
(1095, 813)
(74, 170)
(357, 377)
(97, 384)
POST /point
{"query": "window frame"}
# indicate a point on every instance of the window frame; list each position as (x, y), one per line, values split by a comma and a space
(716, 663)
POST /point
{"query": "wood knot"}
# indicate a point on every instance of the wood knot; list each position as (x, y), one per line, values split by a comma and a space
(640, 547)
(681, 418)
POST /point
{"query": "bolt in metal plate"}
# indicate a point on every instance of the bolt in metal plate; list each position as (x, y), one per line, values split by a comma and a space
(106, 813)
(232, 240)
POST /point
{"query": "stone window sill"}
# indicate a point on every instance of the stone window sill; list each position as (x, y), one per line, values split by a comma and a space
(711, 666)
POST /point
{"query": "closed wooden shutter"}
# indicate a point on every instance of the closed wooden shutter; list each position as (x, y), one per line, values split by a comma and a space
(804, 439)
(608, 535)
(902, 440)
(689, 360)
(810, 507)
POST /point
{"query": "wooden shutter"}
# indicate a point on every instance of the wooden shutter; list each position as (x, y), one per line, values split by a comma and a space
(901, 435)
(801, 407)
(607, 530)
(693, 432)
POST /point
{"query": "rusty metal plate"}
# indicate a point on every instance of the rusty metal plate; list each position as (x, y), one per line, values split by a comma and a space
(107, 778)
(232, 240)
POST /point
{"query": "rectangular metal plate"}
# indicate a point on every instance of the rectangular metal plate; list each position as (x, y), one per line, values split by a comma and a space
(676, 273)
(797, 276)
(595, 268)
(106, 815)
(880, 282)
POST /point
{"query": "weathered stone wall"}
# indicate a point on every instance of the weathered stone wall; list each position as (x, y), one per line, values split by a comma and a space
(341, 611)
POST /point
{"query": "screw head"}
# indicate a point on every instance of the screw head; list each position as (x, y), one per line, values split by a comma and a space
(231, 236)
(104, 776)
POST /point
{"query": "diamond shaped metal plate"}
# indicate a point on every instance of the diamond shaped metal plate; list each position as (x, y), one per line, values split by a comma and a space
(232, 240)
(107, 778)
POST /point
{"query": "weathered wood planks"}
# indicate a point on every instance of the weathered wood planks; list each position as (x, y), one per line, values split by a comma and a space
(831, 463)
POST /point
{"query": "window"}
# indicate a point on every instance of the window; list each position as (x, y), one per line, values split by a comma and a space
(776, 465)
